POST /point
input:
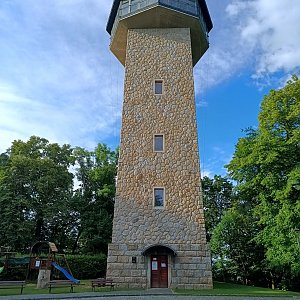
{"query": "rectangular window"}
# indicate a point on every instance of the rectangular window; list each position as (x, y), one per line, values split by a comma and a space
(158, 87)
(159, 197)
(158, 143)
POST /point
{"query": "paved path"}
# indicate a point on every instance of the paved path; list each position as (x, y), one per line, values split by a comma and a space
(161, 294)
(144, 297)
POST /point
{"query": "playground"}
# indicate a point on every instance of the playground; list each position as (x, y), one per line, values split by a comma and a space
(46, 267)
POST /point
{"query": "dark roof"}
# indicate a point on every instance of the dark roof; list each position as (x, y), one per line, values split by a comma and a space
(116, 3)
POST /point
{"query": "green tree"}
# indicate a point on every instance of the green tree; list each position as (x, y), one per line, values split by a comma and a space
(218, 196)
(236, 256)
(36, 188)
(94, 198)
(266, 165)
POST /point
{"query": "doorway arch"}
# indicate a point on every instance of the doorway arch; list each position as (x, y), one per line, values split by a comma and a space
(159, 259)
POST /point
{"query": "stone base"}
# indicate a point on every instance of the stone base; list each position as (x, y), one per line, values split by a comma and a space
(189, 269)
(43, 279)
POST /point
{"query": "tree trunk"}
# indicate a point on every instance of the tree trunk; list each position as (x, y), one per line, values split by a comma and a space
(273, 284)
(39, 228)
(76, 242)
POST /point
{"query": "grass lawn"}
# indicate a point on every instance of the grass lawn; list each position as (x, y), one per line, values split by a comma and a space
(30, 289)
(221, 288)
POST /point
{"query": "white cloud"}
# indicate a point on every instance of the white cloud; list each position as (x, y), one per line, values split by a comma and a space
(201, 102)
(225, 56)
(273, 29)
(270, 30)
(234, 9)
(58, 78)
(257, 35)
(72, 121)
(214, 164)
(207, 173)
(217, 65)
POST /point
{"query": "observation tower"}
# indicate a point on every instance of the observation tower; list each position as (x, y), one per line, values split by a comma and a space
(159, 238)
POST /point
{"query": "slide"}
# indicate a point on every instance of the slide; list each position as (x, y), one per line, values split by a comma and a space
(1, 269)
(68, 275)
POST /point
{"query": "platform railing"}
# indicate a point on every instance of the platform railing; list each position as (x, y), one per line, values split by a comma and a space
(128, 7)
(132, 6)
(187, 6)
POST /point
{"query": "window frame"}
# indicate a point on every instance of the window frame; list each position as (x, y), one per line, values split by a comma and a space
(163, 142)
(164, 197)
(162, 87)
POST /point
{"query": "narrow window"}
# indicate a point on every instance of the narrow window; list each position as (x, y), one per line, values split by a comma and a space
(159, 197)
(158, 143)
(158, 87)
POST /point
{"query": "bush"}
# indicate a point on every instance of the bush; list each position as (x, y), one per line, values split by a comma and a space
(18, 272)
(18, 268)
(87, 266)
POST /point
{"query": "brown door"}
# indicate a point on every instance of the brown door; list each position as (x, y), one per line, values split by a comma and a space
(159, 271)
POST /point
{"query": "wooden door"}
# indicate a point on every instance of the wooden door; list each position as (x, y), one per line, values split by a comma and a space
(159, 271)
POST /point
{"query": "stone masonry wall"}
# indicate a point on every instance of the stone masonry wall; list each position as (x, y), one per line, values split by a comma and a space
(159, 54)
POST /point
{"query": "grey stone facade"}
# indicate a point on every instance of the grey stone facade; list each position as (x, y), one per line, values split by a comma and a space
(159, 54)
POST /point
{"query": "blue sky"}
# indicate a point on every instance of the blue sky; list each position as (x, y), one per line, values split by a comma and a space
(58, 79)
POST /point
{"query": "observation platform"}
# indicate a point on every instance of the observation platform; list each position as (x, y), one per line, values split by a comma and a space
(142, 14)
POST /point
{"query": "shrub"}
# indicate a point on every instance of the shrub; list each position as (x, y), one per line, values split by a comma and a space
(18, 272)
(87, 266)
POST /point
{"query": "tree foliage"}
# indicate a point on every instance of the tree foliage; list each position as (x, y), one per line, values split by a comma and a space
(218, 196)
(266, 166)
(38, 200)
(236, 255)
(36, 189)
(94, 198)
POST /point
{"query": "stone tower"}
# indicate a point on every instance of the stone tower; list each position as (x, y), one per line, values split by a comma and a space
(158, 231)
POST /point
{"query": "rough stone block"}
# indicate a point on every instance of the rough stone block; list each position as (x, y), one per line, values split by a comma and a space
(112, 259)
(113, 247)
